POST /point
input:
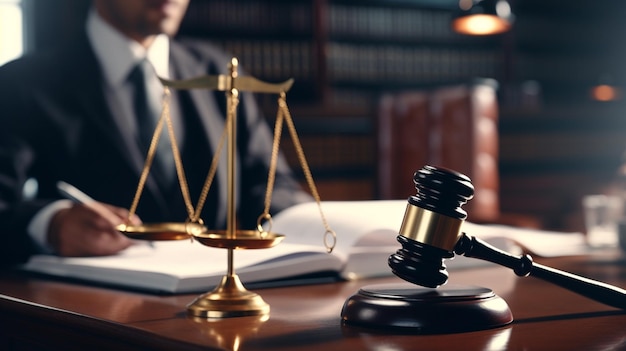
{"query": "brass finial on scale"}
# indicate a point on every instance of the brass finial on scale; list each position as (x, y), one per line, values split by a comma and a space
(230, 298)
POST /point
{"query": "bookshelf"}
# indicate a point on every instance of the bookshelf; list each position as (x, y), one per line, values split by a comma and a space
(343, 55)
(274, 40)
(334, 48)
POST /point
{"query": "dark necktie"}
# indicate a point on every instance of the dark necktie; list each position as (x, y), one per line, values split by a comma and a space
(147, 110)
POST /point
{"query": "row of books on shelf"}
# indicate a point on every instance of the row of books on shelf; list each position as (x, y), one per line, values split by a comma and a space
(276, 60)
(397, 23)
(250, 16)
(279, 60)
(378, 63)
(298, 17)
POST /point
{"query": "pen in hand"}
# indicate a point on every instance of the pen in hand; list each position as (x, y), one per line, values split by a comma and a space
(73, 193)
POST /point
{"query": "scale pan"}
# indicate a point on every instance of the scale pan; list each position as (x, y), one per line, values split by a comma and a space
(161, 231)
(242, 239)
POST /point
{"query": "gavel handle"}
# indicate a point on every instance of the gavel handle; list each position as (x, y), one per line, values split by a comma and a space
(523, 266)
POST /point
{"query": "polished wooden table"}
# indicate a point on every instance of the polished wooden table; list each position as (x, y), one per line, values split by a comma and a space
(43, 314)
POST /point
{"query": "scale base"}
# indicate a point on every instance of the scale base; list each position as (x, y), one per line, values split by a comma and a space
(448, 309)
(228, 299)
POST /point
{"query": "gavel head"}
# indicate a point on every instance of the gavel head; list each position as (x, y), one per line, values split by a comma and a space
(431, 226)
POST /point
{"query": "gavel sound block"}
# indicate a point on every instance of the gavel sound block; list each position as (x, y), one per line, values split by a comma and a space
(430, 233)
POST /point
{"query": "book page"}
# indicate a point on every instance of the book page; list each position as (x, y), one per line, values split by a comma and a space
(356, 223)
(179, 266)
(376, 224)
(542, 243)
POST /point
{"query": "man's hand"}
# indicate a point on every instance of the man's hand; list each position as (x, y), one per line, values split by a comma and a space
(88, 230)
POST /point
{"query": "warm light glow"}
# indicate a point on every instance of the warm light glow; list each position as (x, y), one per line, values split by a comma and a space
(480, 24)
(604, 93)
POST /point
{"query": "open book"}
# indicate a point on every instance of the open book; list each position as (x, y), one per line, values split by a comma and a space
(366, 236)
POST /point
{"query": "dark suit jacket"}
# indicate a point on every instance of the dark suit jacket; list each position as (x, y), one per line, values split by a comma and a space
(56, 123)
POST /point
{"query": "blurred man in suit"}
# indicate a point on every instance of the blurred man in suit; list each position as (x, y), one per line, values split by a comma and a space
(70, 115)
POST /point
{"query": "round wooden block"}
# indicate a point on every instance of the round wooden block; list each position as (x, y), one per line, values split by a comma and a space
(447, 309)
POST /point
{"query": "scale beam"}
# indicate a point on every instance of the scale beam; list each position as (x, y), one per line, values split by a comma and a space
(229, 298)
(224, 82)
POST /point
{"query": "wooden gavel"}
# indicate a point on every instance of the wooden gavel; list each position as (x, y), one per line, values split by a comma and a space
(430, 233)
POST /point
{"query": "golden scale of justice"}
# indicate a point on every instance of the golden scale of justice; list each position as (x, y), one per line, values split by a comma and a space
(230, 298)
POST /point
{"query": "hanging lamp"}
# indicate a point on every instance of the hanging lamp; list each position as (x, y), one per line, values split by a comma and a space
(483, 17)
